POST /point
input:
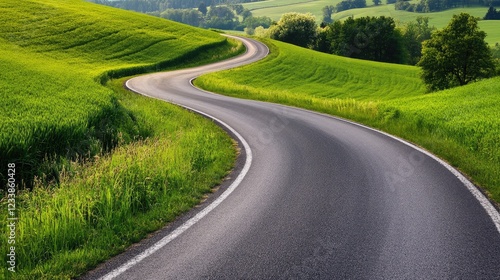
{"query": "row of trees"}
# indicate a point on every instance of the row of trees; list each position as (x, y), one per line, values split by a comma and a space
(350, 4)
(219, 17)
(149, 6)
(453, 56)
(426, 6)
(492, 14)
(370, 38)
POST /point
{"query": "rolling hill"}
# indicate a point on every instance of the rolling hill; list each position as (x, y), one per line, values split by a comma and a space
(98, 159)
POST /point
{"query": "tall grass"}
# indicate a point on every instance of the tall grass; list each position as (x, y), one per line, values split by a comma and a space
(461, 125)
(99, 208)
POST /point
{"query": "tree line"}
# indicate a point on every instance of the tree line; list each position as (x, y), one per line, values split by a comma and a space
(149, 6)
(225, 17)
(369, 38)
(492, 14)
(427, 6)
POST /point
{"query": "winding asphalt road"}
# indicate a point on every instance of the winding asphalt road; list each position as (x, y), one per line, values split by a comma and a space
(317, 198)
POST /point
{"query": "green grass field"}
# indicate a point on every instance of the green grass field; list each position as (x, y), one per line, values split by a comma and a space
(461, 125)
(274, 9)
(110, 165)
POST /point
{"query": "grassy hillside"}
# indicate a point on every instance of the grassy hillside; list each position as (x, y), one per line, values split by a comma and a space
(275, 8)
(461, 125)
(55, 51)
(109, 166)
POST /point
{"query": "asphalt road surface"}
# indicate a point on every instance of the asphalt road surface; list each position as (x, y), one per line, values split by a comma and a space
(316, 198)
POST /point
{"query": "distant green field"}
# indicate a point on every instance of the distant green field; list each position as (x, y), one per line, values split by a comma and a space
(110, 165)
(438, 19)
(274, 10)
(461, 125)
(273, 3)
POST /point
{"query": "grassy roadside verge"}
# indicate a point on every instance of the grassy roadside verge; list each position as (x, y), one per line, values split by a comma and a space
(100, 208)
(460, 125)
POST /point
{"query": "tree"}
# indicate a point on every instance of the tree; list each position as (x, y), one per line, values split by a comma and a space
(377, 2)
(295, 28)
(370, 38)
(327, 13)
(414, 34)
(456, 55)
(220, 17)
(203, 8)
(237, 8)
(246, 13)
(492, 14)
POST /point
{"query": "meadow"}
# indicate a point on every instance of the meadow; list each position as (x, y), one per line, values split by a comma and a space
(97, 167)
(274, 9)
(460, 125)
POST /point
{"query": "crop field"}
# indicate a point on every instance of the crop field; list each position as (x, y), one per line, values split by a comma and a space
(461, 125)
(105, 166)
(274, 10)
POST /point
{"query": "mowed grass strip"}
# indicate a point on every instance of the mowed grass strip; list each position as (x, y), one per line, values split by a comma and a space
(106, 166)
(461, 125)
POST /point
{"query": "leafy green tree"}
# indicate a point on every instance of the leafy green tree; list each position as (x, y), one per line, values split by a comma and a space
(377, 2)
(492, 14)
(295, 28)
(370, 38)
(414, 34)
(221, 17)
(202, 8)
(327, 13)
(456, 55)
(253, 22)
(237, 8)
(246, 13)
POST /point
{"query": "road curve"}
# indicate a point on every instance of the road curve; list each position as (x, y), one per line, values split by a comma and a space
(322, 199)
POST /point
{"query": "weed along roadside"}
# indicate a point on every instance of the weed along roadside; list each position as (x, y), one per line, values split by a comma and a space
(96, 167)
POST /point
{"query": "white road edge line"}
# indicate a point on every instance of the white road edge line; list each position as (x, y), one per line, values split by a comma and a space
(189, 223)
(480, 197)
(485, 203)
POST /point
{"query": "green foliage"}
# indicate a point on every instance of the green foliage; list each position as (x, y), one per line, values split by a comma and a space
(295, 28)
(369, 38)
(461, 125)
(492, 14)
(147, 6)
(187, 16)
(220, 17)
(456, 55)
(276, 8)
(350, 4)
(414, 34)
(426, 6)
(202, 8)
(327, 13)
